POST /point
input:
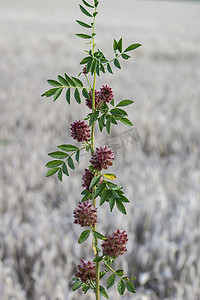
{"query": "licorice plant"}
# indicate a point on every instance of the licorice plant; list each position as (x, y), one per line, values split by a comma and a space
(98, 186)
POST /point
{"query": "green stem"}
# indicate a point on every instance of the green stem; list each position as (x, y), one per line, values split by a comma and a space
(95, 244)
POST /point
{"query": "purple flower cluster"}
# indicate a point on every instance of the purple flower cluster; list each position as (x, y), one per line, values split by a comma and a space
(105, 95)
(80, 131)
(115, 244)
(85, 214)
(102, 158)
(86, 271)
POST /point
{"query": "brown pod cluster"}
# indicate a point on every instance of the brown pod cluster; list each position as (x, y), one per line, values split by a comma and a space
(102, 158)
(85, 214)
(86, 271)
(106, 94)
(115, 243)
(80, 131)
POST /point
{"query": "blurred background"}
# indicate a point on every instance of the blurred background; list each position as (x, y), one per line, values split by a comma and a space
(157, 162)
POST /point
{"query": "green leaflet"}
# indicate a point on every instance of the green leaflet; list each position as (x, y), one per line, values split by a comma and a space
(85, 11)
(121, 287)
(132, 47)
(52, 172)
(83, 237)
(83, 24)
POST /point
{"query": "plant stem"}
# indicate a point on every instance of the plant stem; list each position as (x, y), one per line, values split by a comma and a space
(95, 244)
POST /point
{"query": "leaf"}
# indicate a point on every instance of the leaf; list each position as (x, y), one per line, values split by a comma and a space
(88, 4)
(83, 24)
(68, 147)
(124, 199)
(93, 66)
(101, 122)
(108, 123)
(117, 64)
(97, 258)
(99, 189)
(93, 117)
(77, 156)
(53, 82)
(60, 175)
(97, 68)
(77, 96)
(112, 203)
(68, 95)
(52, 172)
(119, 45)
(58, 154)
(126, 121)
(110, 280)
(125, 56)
(103, 292)
(86, 197)
(69, 80)
(99, 235)
(113, 121)
(121, 287)
(85, 11)
(88, 67)
(83, 237)
(124, 103)
(85, 288)
(54, 163)
(65, 170)
(115, 195)
(83, 36)
(74, 279)
(115, 45)
(62, 81)
(94, 181)
(104, 196)
(132, 47)
(50, 92)
(77, 285)
(118, 112)
(102, 69)
(70, 163)
(95, 13)
(85, 60)
(85, 93)
(109, 69)
(84, 192)
(78, 82)
(119, 272)
(111, 185)
(57, 94)
(130, 287)
(110, 176)
(120, 206)
(112, 102)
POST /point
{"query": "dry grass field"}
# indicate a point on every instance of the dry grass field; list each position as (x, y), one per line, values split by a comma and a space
(159, 172)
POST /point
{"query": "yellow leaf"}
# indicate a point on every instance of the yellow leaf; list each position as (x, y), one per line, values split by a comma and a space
(110, 176)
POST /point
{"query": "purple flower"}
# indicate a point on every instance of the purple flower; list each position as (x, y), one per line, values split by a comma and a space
(115, 244)
(87, 177)
(102, 158)
(85, 214)
(86, 271)
(106, 94)
(80, 131)
(97, 100)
